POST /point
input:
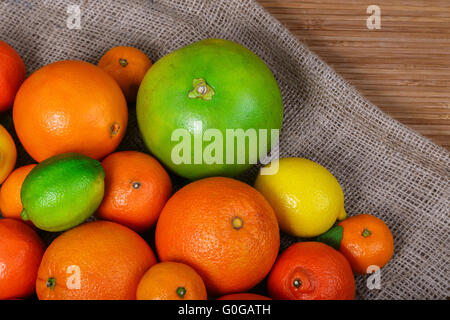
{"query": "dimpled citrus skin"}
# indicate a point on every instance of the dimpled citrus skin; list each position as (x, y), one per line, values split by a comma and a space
(10, 203)
(110, 258)
(306, 197)
(21, 251)
(196, 228)
(63, 191)
(376, 248)
(70, 106)
(323, 272)
(162, 281)
(8, 154)
(12, 74)
(246, 96)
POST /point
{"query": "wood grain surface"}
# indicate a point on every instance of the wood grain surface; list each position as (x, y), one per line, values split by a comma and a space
(403, 67)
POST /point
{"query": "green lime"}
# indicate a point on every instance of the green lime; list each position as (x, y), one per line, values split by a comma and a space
(62, 191)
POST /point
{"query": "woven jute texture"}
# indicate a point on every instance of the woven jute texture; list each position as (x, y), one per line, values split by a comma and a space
(384, 168)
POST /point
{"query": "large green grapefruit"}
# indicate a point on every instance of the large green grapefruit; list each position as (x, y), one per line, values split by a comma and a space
(205, 89)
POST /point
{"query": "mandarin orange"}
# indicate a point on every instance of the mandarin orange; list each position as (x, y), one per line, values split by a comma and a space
(366, 241)
(128, 66)
(171, 281)
(10, 202)
(136, 189)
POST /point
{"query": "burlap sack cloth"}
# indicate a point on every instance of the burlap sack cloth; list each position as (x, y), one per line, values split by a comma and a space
(384, 168)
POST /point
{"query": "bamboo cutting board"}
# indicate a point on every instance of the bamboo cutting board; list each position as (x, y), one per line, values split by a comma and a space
(403, 67)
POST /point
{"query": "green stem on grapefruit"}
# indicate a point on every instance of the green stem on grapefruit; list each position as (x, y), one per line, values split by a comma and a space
(201, 90)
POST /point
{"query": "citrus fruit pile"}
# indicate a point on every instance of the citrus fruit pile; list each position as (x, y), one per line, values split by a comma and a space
(122, 232)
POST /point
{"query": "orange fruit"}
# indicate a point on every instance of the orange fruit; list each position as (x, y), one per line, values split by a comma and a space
(70, 106)
(171, 281)
(224, 229)
(21, 251)
(10, 203)
(244, 296)
(99, 260)
(12, 74)
(311, 271)
(366, 241)
(128, 66)
(8, 154)
(136, 189)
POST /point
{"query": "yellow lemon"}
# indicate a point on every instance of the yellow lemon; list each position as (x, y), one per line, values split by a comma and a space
(306, 197)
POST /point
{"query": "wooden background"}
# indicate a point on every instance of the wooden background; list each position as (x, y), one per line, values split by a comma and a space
(403, 68)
